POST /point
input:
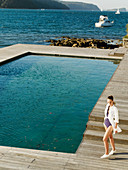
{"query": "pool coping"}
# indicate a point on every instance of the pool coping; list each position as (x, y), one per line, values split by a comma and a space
(13, 52)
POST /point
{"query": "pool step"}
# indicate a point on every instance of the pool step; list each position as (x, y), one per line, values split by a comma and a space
(98, 126)
(118, 52)
(97, 146)
(97, 115)
(98, 135)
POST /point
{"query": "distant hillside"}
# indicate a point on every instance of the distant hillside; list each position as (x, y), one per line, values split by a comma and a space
(81, 6)
(17, 4)
(121, 9)
(32, 4)
(50, 4)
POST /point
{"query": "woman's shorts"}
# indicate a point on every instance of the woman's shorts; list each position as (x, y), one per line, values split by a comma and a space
(107, 122)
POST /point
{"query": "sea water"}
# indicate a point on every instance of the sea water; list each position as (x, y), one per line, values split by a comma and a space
(36, 26)
(45, 101)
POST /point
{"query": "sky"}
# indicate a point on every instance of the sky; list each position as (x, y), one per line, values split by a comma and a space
(105, 4)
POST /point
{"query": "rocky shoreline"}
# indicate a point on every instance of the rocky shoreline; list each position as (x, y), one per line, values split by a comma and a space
(85, 43)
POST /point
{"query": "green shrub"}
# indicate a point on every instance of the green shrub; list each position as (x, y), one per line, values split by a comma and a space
(127, 29)
(126, 36)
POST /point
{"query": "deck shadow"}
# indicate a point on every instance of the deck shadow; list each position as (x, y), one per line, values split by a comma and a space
(123, 153)
(118, 158)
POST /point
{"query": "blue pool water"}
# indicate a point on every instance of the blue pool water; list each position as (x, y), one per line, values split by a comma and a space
(36, 26)
(45, 101)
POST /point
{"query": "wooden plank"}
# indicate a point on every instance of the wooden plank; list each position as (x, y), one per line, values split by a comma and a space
(98, 135)
(100, 143)
(91, 147)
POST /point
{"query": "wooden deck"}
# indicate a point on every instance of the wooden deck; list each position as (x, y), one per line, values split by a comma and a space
(91, 148)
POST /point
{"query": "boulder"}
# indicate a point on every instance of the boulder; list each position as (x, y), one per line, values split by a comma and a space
(81, 42)
(75, 45)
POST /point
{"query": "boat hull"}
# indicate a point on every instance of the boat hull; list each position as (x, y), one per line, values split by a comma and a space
(103, 24)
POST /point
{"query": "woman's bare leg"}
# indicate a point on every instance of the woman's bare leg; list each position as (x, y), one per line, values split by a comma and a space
(112, 142)
(105, 127)
(105, 139)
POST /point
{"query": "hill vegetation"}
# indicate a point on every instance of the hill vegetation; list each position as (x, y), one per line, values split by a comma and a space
(81, 6)
(47, 4)
(32, 4)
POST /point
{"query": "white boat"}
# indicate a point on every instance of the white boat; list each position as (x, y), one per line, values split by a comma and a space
(104, 22)
(117, 12)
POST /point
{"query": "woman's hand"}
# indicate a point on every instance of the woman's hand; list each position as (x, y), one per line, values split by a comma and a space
(115, 128)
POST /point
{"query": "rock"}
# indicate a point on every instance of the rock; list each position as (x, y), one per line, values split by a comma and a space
(81, 42)
(93, 45)
(52, 41)
(88, 40)
(73, 39)
(75, 45)
(52, 44)
(48, 41)
(62, 41)
(58, 42)
(82, 39)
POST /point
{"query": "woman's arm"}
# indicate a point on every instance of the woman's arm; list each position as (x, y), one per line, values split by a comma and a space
(116, 115)
(116, 125)
(116, 119)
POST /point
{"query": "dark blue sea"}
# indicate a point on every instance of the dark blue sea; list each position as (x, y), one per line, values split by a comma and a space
(36, 26)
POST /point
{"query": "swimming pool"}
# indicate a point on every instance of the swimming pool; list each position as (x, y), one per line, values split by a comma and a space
(45, 101)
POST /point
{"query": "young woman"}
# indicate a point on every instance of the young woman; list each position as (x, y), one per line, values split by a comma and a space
(111, 120)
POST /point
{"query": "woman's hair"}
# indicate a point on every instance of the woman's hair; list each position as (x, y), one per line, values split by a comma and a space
(111, 98)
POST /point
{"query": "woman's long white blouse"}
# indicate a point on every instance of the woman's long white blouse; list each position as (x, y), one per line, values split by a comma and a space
(113, 117)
